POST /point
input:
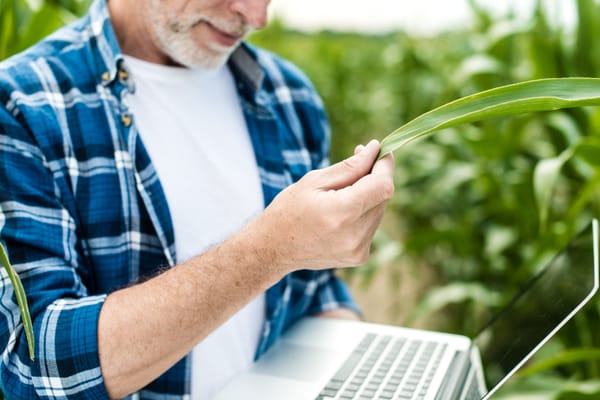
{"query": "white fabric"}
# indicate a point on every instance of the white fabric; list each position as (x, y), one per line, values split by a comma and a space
(192, 125)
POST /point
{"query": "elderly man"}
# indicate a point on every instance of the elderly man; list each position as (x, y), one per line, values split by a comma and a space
(167, 201)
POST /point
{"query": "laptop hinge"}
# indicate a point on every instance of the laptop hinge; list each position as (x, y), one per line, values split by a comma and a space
(453, 382)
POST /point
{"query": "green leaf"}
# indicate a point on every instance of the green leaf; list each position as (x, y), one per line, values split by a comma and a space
(589, 151)
(40, 22)
(547, 172)
(21, 300)
(548, 387)
(545, 177)
(455, 293)
(564, 358)
(528, 96)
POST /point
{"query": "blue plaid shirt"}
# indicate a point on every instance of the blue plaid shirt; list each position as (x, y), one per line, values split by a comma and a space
(82, 211)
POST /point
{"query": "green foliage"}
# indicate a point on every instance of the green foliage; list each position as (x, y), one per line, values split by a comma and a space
(24, 22)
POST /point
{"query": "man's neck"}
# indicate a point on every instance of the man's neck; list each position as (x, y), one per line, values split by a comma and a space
(133, 32)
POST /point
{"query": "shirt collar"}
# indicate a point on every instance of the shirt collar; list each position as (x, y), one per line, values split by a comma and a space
(246, 68)
(243, 63)
(104, 42)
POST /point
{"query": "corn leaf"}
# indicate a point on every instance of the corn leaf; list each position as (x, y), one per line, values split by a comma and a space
(566, 357)
(21, 300)
(544, 180)
(528, 96)
(547, 172)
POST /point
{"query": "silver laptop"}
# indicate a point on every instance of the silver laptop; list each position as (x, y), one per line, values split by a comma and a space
(323, 359)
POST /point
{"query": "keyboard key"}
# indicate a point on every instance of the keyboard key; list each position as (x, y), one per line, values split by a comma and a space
(328, 393)
(333, 385)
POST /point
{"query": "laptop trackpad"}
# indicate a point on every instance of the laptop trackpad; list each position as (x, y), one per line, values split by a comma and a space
(293, 361)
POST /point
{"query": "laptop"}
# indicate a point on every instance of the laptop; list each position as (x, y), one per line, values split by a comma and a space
(324, 359)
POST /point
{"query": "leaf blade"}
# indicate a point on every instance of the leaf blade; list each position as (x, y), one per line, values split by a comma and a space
(21, 300)
(528, 96)
(545, 176)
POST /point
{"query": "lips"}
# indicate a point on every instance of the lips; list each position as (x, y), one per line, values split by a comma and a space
(224, 38)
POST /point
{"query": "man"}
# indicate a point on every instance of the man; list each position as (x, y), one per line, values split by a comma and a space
(147, 135)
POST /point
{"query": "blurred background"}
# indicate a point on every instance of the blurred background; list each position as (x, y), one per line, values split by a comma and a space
(424, 17)
(477, 208)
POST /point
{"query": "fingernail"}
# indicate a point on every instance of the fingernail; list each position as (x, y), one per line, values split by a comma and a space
(373, 143)
(359, 148)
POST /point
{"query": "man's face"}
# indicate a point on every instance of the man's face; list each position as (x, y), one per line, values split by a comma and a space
(203, 33)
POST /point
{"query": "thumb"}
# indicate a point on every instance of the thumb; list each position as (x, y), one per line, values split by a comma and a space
(348, 171)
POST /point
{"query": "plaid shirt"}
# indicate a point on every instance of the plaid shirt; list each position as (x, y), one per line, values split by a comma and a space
(82, 212)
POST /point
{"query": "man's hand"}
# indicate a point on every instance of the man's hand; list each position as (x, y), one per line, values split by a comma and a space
(329, 217)
(340, 313)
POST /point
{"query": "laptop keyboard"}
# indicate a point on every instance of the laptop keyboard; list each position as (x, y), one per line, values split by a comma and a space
(385, 367)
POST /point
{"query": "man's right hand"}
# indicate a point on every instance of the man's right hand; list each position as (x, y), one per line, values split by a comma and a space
(329, 217)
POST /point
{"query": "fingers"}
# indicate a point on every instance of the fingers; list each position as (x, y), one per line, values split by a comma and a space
(363, 233)
(364, 181)
(348, 171)
(330, 215)
(359, 148)
(385, 166)
(376, 188)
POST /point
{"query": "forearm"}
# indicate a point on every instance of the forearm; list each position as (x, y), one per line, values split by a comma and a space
(145, 329)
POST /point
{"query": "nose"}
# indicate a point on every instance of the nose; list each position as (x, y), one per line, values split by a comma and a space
(254, 11)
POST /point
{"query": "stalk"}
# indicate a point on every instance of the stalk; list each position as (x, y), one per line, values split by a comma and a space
(21, 300)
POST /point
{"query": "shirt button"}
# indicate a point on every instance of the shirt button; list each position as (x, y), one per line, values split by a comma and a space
(126, 120)
(106, 77)
(123, 75)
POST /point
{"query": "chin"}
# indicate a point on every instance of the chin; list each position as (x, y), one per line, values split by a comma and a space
(207, 63)
(202, 59)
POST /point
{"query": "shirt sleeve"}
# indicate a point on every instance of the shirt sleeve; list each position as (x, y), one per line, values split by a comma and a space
(332, 293)
(40, 234)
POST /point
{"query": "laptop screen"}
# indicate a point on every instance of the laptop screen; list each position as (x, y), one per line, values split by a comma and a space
(544, 305)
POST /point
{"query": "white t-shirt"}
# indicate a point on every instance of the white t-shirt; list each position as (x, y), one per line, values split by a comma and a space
(192, 125)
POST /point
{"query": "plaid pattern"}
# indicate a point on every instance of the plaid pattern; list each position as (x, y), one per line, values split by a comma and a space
(82, 212)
